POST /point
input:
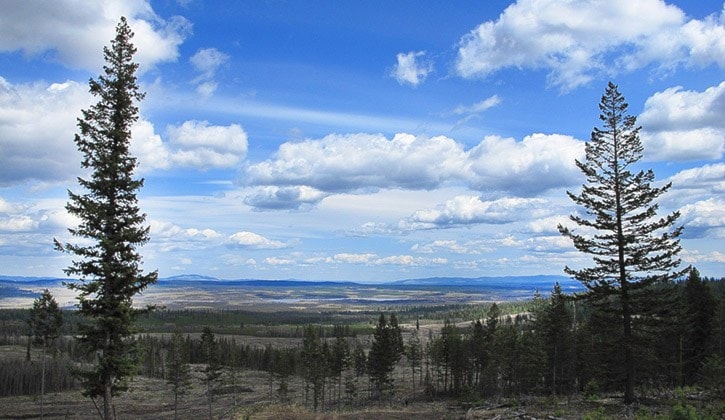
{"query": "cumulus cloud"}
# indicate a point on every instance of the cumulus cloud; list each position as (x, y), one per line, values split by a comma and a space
(168, 237)
(75, 35)
(343, 163)
(371, 259)
(547, 225)
(538, 163)
(704, 218)
(277, 261)
(696, 184)
(200, 145)
(449, 245)
(411, 68)
(347, 258)
(284, 198)
(254, 241)
(42, 149)
(193, 144)
(577, 41)
(466, 210)
(168, 230)
(37, 126)
(207, 61)
(684, 125)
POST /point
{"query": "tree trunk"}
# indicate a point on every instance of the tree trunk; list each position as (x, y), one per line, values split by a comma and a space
(42, 383)
(107, 401)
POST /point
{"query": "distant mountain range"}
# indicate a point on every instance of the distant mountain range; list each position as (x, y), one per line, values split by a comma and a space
(487, 281)
(192, 290)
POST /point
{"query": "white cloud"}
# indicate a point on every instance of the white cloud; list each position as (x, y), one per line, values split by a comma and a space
(478, 107)
(696, 184)
(537, 163)
(411, 69)
(75, 34)
(206, 89)
(704, 218)
(547, 225)
(148, 147)
(284, 198)
(200, 145)
(347, 258)
(194, 144)
(37, 126)
(42, 149)
(409, 260)
(255, 241)
(207, 61)
(168, 237)
(168, 230)
(449, 245)
(345, 163)
(278, 261)
(465, 210)
(696, 257)
(545, 244)
(303, 173)
(684, 125)
(577, 41)
(19, 223)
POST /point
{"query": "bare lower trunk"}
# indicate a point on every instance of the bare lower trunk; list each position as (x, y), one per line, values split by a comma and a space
(42, 384)
(107, 402)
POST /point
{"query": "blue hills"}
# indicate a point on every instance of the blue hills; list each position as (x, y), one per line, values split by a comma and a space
(512, 286)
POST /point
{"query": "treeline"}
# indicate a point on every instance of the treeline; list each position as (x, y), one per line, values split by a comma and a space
(559, 345)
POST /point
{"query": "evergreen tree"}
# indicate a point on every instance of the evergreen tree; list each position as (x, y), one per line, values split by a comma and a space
(699, 307)
(478, 352)
(178, 370)
(108, 270)
(553, 324)
(45, 322)
(340, 361)
(212, 371)
(314, 364)
(632, 249)
(414, 354)
(386, 349)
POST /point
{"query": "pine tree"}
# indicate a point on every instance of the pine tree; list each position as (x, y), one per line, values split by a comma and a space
(314, 364)
(553, 323)
(45, 322)
(699, 308)
(632, 250)
(177, 366)
(108, 269)
(212, 371)
(414, 354)
(386, 350)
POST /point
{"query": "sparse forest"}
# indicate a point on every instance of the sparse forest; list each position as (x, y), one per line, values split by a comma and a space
(543, 349)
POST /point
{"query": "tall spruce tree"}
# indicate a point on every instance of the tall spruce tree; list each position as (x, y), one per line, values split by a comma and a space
(108, 266)
(632, 249)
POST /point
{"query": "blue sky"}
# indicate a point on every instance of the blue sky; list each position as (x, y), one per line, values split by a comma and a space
(367, 141)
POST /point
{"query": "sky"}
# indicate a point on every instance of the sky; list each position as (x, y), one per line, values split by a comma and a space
(362, 140)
